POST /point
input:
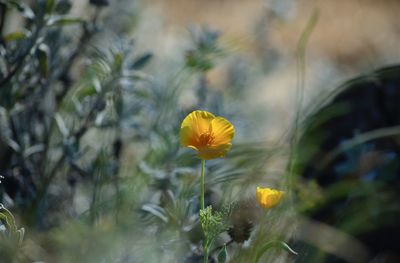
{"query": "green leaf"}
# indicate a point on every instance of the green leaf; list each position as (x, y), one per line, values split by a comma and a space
(49, 6)
(86, 91)
(155, 211)
(222, 255)
(13, 144)
(17, 35)
(61, 125)
(118, 60)
(8, 219)
(36, 148)
(274, 244)
(21, 7)
(64, 21)
(97, 85)
(43, 53)
(20, 235)
(141, 61)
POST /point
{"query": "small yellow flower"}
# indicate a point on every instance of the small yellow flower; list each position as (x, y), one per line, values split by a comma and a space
(209, 135)
(269, 198)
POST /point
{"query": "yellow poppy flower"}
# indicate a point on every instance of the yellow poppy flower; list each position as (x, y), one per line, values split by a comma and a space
(209, 135)
(269, 198)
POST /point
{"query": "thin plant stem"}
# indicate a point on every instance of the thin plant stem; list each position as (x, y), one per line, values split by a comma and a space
(202, 184)
(301, 67)
(205, 258)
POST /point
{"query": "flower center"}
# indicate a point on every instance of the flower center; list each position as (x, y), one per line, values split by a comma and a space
(206, 139)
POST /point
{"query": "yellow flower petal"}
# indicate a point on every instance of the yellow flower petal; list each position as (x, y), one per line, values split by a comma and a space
(222, 130)
(269, 198)
(212, 152)
(195, 124)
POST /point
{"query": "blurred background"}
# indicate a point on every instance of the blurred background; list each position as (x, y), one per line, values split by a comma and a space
(92, 95)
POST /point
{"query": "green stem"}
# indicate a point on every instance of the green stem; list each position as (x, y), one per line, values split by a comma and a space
(202, 184)
(202, 190)
(205, 258)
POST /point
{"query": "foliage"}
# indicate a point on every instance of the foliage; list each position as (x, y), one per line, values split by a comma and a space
(90, 160)
(10, 236)
(213, 224)
(86, 151)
